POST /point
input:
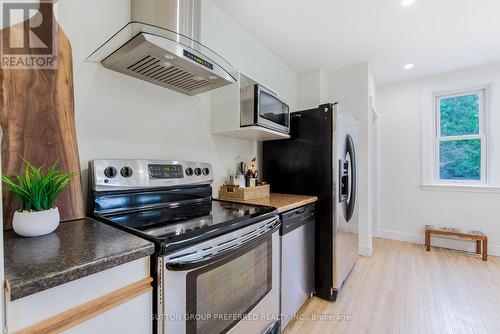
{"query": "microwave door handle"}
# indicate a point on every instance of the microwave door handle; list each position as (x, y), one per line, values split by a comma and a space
(235, 251)
(256, 104)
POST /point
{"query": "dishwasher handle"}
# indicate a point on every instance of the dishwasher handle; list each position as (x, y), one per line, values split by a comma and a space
(300, 210)
(294, 219)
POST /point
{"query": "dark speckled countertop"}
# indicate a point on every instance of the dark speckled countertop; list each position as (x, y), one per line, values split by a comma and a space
(76, 249)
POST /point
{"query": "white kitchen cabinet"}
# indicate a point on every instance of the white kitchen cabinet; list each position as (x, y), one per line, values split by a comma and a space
(225, 116)
(116, 300)
(132, 316)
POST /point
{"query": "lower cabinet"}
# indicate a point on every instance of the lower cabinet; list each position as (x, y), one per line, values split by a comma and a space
(131, 316)
(116, 300)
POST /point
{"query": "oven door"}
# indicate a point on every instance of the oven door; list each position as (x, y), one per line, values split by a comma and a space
(270, 111)
(229, 284)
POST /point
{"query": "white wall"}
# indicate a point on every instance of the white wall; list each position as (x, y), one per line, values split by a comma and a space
(352, 87)
(313, 89)
(118, 116)
(225, 36)
(405, 206)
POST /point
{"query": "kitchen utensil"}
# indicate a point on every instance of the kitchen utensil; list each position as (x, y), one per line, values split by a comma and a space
(243, 168)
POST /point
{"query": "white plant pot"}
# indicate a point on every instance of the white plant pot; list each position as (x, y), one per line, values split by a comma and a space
(35, 223)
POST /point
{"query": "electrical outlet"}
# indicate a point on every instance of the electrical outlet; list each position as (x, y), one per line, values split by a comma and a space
(469, 217)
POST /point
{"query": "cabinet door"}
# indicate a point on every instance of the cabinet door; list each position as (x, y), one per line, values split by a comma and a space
(133, 316)
(116, 300)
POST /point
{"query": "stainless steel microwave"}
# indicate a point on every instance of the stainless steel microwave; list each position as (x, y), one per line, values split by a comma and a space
(260, 106)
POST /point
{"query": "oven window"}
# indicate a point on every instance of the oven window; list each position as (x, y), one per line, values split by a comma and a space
(273, 109)
(219, 295)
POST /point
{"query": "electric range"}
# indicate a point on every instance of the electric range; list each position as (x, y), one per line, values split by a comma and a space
(212, 258)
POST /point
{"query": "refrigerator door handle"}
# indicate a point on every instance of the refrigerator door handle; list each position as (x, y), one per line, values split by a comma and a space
(352, 157)
(343, 180)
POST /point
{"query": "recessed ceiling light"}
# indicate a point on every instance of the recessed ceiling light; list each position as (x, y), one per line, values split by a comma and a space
(407, 2)
(408, 66)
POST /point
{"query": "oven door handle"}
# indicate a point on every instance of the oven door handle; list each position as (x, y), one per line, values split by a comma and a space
(235, 250)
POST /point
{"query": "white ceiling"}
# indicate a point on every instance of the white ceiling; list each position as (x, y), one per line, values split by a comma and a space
(436, 35)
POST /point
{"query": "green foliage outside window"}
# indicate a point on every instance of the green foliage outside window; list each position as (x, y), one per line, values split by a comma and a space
(460, 159)
(460, 115)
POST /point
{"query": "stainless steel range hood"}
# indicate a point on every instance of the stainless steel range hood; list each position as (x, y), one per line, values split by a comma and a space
(161, 45)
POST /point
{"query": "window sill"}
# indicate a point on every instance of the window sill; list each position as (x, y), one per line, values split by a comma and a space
(461, 188)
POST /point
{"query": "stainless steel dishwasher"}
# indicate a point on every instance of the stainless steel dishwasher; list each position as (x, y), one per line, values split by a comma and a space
(297, 260)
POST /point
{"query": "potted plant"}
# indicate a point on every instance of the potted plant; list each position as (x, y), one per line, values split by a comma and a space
(37, 192)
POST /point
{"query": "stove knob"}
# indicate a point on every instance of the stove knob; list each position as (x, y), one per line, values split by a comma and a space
(110, 172)
(126, 172)
(189, 171)
(206, 171)
(197, 171)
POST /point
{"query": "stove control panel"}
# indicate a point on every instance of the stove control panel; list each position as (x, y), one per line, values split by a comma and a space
(120, 174)
(165, 171)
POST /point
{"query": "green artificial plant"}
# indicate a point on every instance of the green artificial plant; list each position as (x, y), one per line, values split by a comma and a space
(38, 190)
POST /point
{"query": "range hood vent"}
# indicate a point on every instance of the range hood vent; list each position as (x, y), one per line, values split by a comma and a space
(163, 48)
(153, 69)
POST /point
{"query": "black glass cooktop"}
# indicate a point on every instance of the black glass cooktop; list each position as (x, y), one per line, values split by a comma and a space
(174, 227)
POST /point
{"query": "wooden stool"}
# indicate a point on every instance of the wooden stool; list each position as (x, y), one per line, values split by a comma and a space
(477, 236)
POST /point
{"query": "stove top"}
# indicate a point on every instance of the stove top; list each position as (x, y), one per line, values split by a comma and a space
(172, 228)
(167, 202)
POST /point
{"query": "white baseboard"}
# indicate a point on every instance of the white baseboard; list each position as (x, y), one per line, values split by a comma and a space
(402, 236)
(415, 238)
(365, 251)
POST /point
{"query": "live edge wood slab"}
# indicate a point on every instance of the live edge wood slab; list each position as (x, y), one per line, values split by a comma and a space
(38, 121)
(282, 202)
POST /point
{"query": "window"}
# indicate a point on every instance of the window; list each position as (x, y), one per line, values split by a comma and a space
(460, 137)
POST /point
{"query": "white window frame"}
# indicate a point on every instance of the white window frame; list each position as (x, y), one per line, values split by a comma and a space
(483, 93)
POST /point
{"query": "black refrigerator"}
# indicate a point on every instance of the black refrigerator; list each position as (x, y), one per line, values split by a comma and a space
(320, 159)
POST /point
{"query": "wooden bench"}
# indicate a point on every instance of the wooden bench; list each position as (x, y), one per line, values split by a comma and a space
(478, 236)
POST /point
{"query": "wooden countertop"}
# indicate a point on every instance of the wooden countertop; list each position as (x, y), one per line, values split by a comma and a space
(282, 202)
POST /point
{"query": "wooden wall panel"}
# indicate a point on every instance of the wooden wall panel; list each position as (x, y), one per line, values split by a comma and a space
(37, 117)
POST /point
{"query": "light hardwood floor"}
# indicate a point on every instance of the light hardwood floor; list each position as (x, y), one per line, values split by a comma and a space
(404, 289)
